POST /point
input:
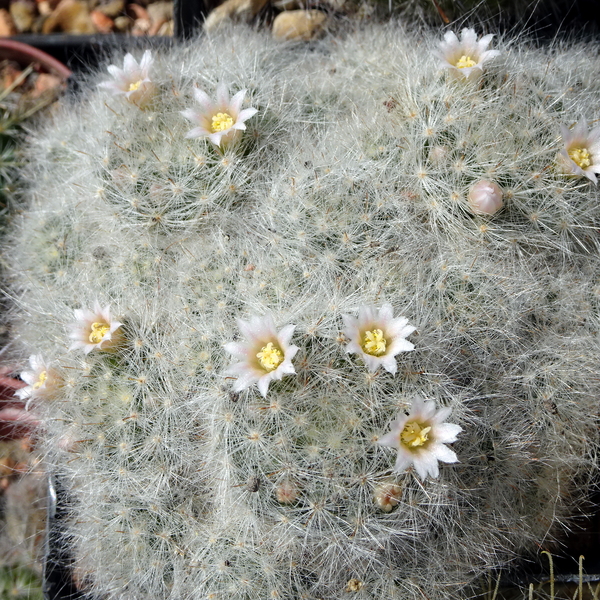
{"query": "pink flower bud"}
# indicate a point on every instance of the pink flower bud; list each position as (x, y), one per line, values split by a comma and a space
(485, 198)
(438, 154)
(287, 492)
(387, 495)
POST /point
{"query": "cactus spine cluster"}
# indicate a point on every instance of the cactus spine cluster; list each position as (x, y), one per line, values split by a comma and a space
(350, 194)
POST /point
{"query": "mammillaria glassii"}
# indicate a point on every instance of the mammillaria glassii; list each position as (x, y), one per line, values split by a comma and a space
(186, 483)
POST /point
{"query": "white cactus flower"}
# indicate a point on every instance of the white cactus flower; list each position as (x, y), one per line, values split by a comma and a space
(421, 438)
(265, 356)
(465, 57)
(95, 330)
(42, 380)
(377, 337)
(581, 153)
(132, 81)
(219, 121)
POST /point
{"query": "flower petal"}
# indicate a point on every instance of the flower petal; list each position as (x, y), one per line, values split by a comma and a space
(401, 345)
(389, 364)
(403, 461)
(394, 327)
(29, 377)
(488, 55)
(146, 63)
(285, 368)
(237, 349)
(426, 463)
(115, 71)
(581, 129)
(590, 175)
(468, 36)
(366, 315)
(215, 138)
(130, 65)
(446, 433)
(203, 98)
(263, 384)
(23, 393)
(441, 415)
(222, 96)
(244, 381)
(195, 133)
(389, 439)
(246, 114)
(443, 453)
(484, 42)
(236, 103)
(451, 39)
(285, 334)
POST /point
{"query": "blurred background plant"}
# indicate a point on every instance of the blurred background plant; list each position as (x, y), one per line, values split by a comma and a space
(30, 83)
(25, 91)
(22, 499)
(20, 583)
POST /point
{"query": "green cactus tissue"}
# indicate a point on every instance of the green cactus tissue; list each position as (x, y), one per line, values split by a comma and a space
(315, 322)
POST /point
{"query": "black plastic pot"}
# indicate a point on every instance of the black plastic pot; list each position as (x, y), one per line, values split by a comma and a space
(81, 52)
(58, 582)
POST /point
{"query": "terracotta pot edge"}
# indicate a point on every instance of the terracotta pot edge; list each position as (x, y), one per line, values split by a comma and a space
(24, 53)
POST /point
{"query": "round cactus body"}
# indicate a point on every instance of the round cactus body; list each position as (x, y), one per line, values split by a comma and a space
(280, 353)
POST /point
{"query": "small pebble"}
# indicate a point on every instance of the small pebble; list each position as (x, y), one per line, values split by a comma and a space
(102, 22)
(82, 17)
(7, 25)
(299, 24)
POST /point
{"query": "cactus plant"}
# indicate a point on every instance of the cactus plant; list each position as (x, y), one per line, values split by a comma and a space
(314, 356)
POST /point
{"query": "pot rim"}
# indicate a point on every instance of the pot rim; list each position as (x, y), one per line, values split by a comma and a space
(25, 54)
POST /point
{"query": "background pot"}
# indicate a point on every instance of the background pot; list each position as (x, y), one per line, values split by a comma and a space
(25, 54)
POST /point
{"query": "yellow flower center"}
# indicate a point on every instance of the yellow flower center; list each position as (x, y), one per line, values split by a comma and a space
(413, 435)
(374, 343)
(135, 86)
(41, 380)
(270, 357)
(465, 61)
(581, 157)
(221, 121)
(99, 330)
